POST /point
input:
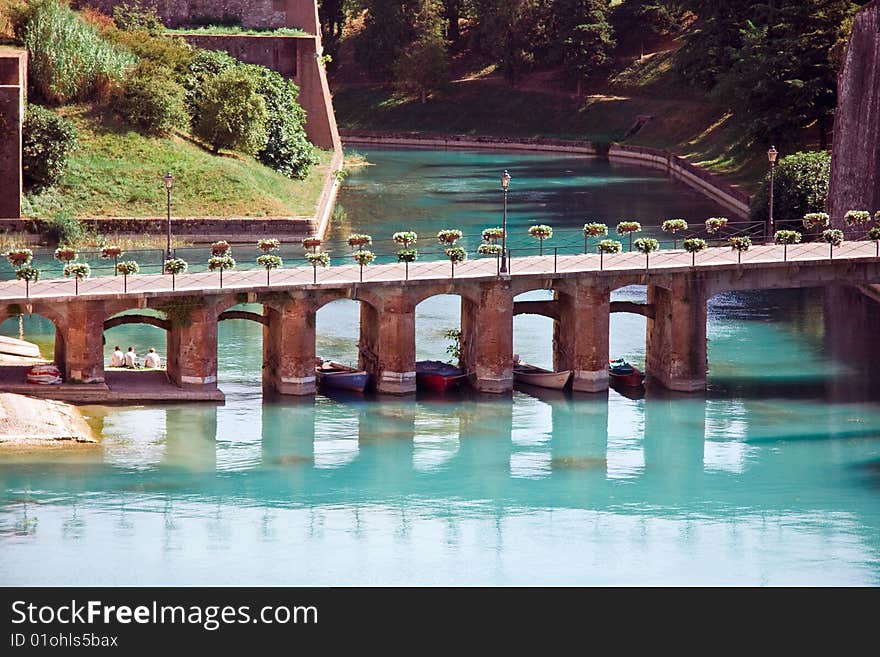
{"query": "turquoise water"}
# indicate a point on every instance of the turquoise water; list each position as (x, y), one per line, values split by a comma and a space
(772, 477)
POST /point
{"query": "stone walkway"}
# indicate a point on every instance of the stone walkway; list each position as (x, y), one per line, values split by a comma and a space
(665, 261)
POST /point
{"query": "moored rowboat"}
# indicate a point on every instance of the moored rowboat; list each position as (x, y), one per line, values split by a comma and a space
(624, 374)
(537, 376)
(438, 376)
(341, 377)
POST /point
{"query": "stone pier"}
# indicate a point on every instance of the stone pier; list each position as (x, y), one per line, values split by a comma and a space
(676, 335)
(487, 337)
(387, 348)
(580, 333)
(192, 347)
(79, 345)
(289, 346)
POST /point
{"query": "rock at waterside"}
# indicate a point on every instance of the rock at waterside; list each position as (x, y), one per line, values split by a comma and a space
(30, 422)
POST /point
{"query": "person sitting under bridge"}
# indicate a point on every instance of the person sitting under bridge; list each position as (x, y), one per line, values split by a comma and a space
(152, 360)
(118, 358)
(131, 359)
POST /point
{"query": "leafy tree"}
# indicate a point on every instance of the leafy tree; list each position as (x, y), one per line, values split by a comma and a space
(587, 37)
(231, 112)
(134, 17)
(389, 27)
(47, 143)
(800, 187)
(423, 66)
(332, 15)
(515, 34)
(150, 100)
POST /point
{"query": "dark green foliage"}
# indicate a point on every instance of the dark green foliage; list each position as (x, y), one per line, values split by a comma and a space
(587, 38)
(423, 66)
(637, 24)
(205, 65)
(151, 101)
(515, 35)
(47, 142)
(286, 150)
(800, 187)
(172, 53)
(63, 228)
(388, 29)
(232, 113)
(134, 17)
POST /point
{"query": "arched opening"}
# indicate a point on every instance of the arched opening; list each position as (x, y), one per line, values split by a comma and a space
(240, 348)
(434, 316)
(627, 337)
(533, 328)
(17, 358)
(139, 329)
(337, 331)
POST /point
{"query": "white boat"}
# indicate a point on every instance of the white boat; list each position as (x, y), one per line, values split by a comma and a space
(537, 376)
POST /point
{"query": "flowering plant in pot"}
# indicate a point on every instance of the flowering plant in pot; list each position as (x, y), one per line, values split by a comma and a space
(628, 228)
(449, 236)
(359, 241)
(714, 224)
(489, 249)
(363, 258)
(29, 275)
(78, 271)
(816, 220)
(694, 245)
(406, 256)
(607, 246)
(405, 238)
(221, 263)
(492, 234)
(271, 244)
(127, 268)
(647, 245)
(786, 237)
(19, 257)
(65, 254)
(541, 232)
(111, 251)
(674, 226)
(317, 259)
(834, 237)
(220, 248)
(740, 244)
(311, 244)
(175, 266)
(269, 261)
(857, 217)
(874, 236)
(456, 255)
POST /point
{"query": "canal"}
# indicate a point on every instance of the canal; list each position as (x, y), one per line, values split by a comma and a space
(772, 477)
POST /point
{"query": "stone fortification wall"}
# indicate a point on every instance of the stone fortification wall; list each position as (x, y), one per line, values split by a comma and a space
(855, 159)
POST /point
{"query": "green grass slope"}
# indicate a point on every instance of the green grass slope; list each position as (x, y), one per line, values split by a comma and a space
(117, 171)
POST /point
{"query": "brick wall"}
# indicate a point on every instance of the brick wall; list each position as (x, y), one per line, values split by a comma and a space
(276, 52)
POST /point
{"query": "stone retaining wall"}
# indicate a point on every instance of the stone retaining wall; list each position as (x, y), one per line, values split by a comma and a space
(733, 198)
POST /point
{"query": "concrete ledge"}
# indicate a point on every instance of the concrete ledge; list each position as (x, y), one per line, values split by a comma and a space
(678, 385)
(590, 380)
(297, 386)
(198, 380)
(396, 383)
(494, 385)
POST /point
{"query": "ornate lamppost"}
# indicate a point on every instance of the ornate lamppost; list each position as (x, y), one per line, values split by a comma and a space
(772, 154)
(505, 183)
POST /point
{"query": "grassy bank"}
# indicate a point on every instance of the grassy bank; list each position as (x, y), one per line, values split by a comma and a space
(117, 171)
(641, 106)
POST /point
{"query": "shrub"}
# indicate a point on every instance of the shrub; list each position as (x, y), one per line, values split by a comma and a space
(63, 228)
(318, 259)
(694, 245)
(609, 246)
(221, 262)
(364, 257)
(134, 17)
(456, 254)
(286, 148)
(205, 65)
(800, 187)
(740, 243)
(269, 261)
(149, 100)
(78, 270)
(874, 233)
(28, 273)
(176, 266)
(128, 268)
(423, 67)
(172, 54)
(231, 113)
(47, 143)
(69, 59)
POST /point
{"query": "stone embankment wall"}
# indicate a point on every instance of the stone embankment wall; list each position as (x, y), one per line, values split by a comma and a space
(248, 13)
(733, 198)
(855, 159)
(13, 76)
(276, 52)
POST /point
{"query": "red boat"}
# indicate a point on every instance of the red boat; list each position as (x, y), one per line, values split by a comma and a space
(438, 376)
(624, 374)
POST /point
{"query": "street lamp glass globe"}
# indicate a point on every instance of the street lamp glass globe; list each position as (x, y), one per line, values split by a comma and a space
(771, 154)
(169, 181)
(505, 179)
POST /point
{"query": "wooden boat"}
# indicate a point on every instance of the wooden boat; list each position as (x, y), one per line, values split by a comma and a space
(44, 374)
(624, 374)
(341, 377)
(438, 376)
(537, 376)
